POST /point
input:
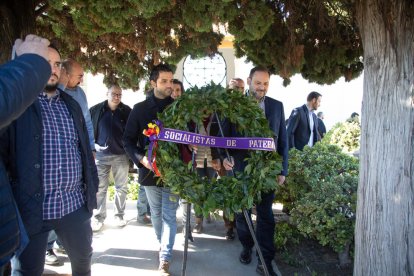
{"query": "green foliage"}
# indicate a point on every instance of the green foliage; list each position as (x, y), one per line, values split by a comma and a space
(133, 189)
(230, 194)
(317, 39)
(345, 135)
(320, 194)
(124, 39)
(286, 235)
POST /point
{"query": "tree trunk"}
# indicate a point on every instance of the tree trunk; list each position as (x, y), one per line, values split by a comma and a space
(384, 234)
(17, 19)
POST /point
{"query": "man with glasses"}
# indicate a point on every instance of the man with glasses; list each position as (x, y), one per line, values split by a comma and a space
(109, 119)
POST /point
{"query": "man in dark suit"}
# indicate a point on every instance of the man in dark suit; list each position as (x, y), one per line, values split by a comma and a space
(302, 128)
(258, 82)
(321, 124)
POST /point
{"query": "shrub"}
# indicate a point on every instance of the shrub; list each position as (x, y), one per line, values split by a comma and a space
(320, 194)
(133, 188)
(345, 135)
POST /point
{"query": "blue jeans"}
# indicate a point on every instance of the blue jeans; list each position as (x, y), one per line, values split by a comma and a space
(142, 203)
(164, 206)
(74, 231)
(265, 228)
(120, 166)
(51, 239)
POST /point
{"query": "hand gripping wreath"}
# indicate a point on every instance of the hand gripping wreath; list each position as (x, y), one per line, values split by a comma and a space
(229, 194)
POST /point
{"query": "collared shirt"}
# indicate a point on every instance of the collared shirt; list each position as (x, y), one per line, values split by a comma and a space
(311, 126)
(260, 101)
(62, 166)
(79, 95)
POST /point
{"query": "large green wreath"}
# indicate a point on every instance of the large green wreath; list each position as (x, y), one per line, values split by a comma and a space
(229, 194)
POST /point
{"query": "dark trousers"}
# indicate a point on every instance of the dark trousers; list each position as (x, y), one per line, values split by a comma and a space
(75, 233)
(265, 228)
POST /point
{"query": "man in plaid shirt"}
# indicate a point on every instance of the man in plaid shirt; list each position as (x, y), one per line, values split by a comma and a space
(53, 176)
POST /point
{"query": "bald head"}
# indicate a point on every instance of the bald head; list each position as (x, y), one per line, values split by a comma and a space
(237, 84)
(74, 72)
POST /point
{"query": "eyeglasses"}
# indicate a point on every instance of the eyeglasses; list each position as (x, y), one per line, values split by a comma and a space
(114, 95)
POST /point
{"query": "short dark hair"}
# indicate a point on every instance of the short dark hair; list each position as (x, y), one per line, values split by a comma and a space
(175, 81)
(155, 72)
(354, 114)
(258, 69)
(313, 95)
(54, 47)
(320, 114)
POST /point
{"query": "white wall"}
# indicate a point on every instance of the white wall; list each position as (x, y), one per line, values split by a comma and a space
(95, 91)
(338, 102)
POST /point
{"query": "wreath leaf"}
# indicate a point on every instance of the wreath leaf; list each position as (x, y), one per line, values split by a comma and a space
(230, 194)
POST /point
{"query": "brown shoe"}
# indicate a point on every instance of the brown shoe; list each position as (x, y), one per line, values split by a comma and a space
(164, 268)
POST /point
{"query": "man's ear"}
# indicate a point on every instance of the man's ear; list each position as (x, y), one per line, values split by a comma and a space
(153, 84)
(249, 81)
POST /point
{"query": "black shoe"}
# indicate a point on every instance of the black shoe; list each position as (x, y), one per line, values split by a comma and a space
(246, 256)
(230, 234)
(260, 270)
(190, 236)
(51, 258)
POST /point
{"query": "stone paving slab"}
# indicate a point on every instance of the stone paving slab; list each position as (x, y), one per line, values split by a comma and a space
(133, 250)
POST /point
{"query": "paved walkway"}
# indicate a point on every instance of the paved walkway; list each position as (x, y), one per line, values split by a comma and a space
(133, 250)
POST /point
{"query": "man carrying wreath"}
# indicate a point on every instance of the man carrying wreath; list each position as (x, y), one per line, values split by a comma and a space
(258, 82)
(162, 202)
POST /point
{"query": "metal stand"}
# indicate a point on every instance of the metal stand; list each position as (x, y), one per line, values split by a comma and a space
(245, 213)
(187, 223)
(187, 233)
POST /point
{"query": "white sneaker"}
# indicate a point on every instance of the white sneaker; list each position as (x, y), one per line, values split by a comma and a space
(96, 225)
(119, 221)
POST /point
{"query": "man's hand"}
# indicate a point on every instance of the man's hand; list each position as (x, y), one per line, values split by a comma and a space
(64, 77)
(281, 179)
(228, 164)
(144, 161)
(33, 44)
(216, 164)
(193, 148)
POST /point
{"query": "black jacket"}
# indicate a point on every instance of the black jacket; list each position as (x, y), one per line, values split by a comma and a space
(298, 128)
(21, 148)
(97, 111)
(21, 80)
(275, 115)
(135, 141)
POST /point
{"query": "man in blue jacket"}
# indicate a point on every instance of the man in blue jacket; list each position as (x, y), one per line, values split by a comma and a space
(53, 176)
(21, 80)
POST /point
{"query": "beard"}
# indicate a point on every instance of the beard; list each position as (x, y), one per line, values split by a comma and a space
(51, 87)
